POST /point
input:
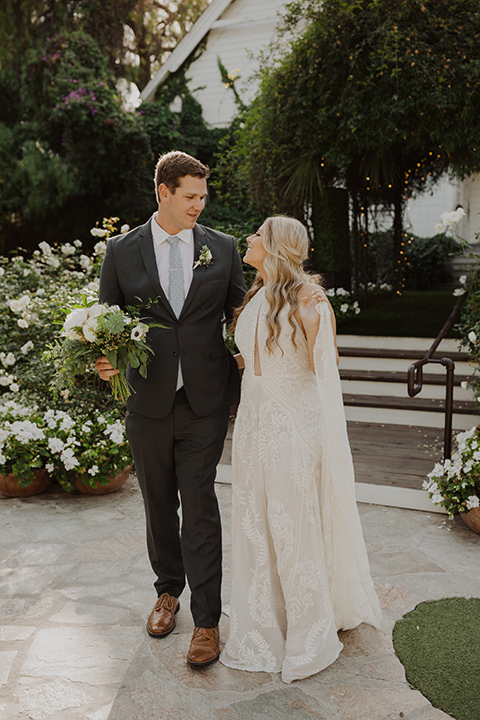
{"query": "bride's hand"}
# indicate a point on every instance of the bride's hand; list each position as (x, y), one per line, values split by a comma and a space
(307, 309)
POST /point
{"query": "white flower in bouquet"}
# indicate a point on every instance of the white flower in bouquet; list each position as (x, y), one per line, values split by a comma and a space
(139, 331)
(92, 330)
(2, 272)
(68, 249)
(78, 243)
(125, 228)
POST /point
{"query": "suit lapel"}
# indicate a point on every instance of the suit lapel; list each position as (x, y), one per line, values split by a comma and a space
(198, 273)
(145, 243)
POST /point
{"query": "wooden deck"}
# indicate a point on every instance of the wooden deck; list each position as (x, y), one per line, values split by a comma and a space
(395, 455)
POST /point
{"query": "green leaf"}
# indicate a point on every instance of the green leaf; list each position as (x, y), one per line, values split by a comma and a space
(111, 356)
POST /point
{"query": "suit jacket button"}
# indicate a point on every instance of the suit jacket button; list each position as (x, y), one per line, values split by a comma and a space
(175, 352)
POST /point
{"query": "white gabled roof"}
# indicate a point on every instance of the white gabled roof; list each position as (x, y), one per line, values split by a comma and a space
(186, 46)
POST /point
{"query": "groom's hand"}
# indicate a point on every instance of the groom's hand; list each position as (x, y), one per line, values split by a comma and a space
(104, 368)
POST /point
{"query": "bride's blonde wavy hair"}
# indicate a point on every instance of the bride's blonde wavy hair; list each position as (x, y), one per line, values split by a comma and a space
(286, 242)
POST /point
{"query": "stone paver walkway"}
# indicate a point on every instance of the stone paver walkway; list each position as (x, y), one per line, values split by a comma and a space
(76, 588)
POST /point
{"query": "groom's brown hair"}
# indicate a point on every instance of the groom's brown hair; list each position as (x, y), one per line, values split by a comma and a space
(173, 166)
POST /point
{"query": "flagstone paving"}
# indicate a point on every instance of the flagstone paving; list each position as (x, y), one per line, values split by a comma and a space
(76, 588)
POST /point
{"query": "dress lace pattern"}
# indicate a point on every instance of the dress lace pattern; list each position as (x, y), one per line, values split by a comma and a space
(299, 565)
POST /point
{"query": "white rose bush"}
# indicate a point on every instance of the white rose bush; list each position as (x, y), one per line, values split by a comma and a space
(76, 431)
(455, 484)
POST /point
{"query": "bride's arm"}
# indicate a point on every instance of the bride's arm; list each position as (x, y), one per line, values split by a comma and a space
(306, 314)
(240, 361)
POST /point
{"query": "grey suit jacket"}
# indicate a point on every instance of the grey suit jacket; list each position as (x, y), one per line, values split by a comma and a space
(210, 375)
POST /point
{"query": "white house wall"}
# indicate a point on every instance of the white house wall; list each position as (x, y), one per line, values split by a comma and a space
(237, 37)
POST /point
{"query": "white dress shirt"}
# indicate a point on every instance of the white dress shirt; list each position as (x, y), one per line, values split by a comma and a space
(162, 255)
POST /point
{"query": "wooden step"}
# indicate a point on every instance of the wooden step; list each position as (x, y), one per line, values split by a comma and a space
(411, 355)
(396, 377)
(417, 403)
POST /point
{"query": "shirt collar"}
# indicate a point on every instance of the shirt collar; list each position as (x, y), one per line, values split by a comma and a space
(160, 235)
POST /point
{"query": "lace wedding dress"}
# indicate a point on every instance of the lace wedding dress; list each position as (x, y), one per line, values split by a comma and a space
(299, 566)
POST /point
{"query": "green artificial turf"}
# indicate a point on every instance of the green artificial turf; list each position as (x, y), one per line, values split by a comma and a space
(413, 314)
(438, 644)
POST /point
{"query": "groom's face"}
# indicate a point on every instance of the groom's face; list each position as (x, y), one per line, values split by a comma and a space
(180, 210)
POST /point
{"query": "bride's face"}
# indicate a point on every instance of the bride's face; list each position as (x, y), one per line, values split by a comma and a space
(255, 254)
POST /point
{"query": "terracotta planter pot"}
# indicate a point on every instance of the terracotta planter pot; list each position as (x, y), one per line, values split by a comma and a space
(10, 486)
(472, 519)
(114, 484)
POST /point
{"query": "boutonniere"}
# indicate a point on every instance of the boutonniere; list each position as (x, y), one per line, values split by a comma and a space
(205, 257)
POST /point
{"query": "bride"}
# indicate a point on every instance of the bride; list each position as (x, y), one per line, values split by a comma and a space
(299, 565)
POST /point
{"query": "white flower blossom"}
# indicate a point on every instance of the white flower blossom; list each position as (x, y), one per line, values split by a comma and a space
(462, 279)
(45, 248)
(18, 306)
(85, 262)
(25, 430)
(458, 292)
(100, 248)
(115, 432)
(472, 337)
(125, 228)
(98, 232)
(68, 249)
(55, 445)
(27, 347)
(49, 467)
(14, 387)
(93, 470)
(139, 331)
(464, 385)
(342, 291)
(344, 308)
(22, 323)
(89, 330)
(68, 458)
(7, 359)
(2, 271)
(472, 502)
(78, 243)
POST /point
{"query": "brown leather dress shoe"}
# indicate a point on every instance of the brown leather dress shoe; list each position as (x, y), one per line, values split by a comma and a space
(205, 647)
(162, 618)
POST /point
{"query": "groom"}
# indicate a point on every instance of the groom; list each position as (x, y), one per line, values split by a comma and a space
(178, 416)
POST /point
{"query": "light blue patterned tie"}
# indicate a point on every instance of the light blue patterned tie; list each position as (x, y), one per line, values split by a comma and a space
(176, 296)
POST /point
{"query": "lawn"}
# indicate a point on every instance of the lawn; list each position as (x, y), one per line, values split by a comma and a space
(413, 314)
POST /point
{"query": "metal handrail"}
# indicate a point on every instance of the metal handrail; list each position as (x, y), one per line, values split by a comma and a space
(415, 376)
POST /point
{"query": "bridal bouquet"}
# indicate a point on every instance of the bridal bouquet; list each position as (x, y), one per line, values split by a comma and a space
(93, 329)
